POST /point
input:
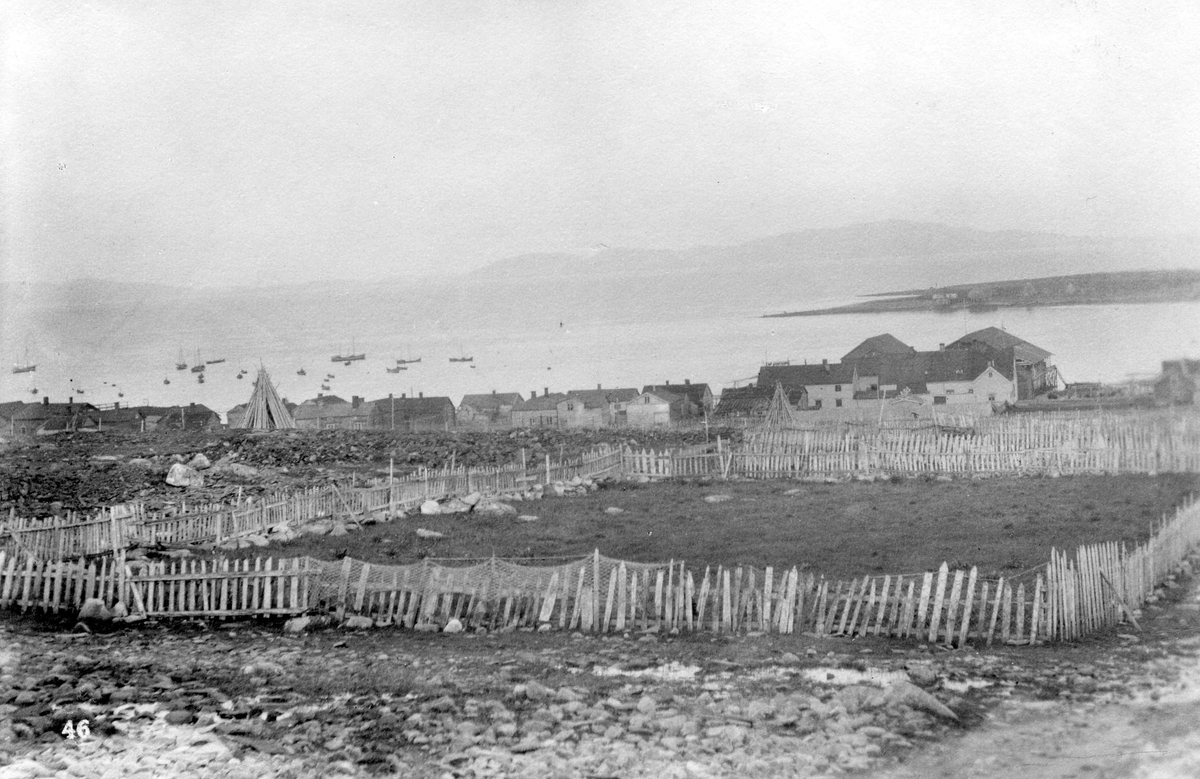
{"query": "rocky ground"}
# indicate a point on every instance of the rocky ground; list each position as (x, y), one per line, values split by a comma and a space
(247, 699)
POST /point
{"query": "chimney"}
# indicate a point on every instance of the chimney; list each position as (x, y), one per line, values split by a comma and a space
(533, 395)
(493, 392)
(403, 395)
(420, 394)
(320, 395)
(45, 400)
(941, 347)
(192, 404)
(546, 391)
(389, 396)
(355, 401)
(597, 386)
(70, 400)
(116, 405)
(687, 381)
(825, 365)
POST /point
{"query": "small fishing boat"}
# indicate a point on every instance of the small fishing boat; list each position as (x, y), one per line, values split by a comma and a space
(462, 359)
(33, 391)
(78, 392)
(166, 381)
(407, 362)
(181, 364)
(397, 369)
(324, 386)
(214, 362)
(301, 372)
(199, 366)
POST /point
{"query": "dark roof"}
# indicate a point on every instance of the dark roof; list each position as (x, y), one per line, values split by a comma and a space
(37, 411)
(322, 400)
(155, 411)
(693, 392)
(117, 415)
(10, 408)
(999, 339)
(805, 375)
(664, 394)
(877, 345)
(490, 401)
(916, 388)
(920, 368)
(541, 403)
(599, 398)
(749, 400)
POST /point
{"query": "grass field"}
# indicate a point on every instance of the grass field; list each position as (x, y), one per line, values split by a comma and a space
(901, 526)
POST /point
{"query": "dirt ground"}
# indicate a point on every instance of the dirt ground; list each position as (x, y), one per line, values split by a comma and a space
(247, 699)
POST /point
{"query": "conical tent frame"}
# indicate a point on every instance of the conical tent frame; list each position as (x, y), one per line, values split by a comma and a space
(780, 415)
(266, 411)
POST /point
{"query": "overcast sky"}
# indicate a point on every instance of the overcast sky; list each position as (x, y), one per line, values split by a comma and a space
(251, 142)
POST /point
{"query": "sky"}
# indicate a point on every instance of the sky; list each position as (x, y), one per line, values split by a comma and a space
(223, 143)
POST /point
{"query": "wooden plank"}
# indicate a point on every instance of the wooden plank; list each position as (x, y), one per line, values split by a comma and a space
(360, 591)
(548, 602)
(923, 603)
(622, 595)
(935, 616)
(609, 602)
(995, 611)
(968, 601)
(343, 588)
(881, 614)
(952, 610)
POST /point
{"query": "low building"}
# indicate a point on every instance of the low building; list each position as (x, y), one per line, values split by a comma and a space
(7, 412)
(538, 410)
(48, 418)
(657, 408)
(700, 397)
(878, 346)
(118, 419)
(193, 416)
(595, 408)
(753, 402)
(828, 385)
(494, 408)
(1179, 383)
(1031, 369)
(412, 414)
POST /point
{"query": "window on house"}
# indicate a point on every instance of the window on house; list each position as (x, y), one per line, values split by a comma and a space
(991, 396)
(837, 387)
(971, 391)
(818, 403)
(570, 407)
(838, 402)
(646, 400)
(949, 391)
(939, 400)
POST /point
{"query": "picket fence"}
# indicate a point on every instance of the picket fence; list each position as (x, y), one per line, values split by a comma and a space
(1096, 588)
(119, 527)
(1025, 444)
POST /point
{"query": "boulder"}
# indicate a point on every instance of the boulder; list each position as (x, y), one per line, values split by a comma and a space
(181, 475)
(431, 507)
(319, 528)
(613, 511)
(527, 518)
(455, 506)
(357, 622)
(235, 469)
(120, 610)
(717, 498)
(297, 625)
(338, 529)
(94, 609)
(914, 697)
(453, 626)
(199, 462)
(494, 507)
(472, 499)
(423, 533)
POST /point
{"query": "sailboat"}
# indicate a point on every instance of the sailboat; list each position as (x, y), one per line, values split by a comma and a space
(349, 358)
(166, 380)
(407, 362)
(28, 367)
(181, 364)
(301, 372)
(214, 362)
(462, 359)
(397, 369)
(199, 366)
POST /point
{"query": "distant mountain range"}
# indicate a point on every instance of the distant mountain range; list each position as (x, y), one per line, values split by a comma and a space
(805, 269)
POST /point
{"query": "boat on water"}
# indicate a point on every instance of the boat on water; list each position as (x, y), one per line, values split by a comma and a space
(181, 364)
(27, 367)
(301, 372)
(462, 359)
(199, 366)
(348, 358)
(214, 362)
(166, 381)
(397, 369)
(407, 362)
(33, 391)
(324, 386)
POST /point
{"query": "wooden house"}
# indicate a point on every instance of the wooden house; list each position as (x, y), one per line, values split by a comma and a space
(1031, 369)
(657, 408)
(753, 402)
(1178, 384)
(193, 416)
(595, 408)
(538, 410)
(412, 414)
(494, 408)
(7, 412)
(700, 399)
(48, 418)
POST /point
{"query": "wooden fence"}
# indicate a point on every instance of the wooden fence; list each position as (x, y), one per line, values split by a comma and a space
(124, 526)
(1096, 588)
(1025, 444)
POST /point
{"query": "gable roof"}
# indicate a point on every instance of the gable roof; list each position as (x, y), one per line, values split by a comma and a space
(541, 403)
(490, 401)
(746, 400)
(37, 411)
(919, 368)
(999, 339)
(7, 410)
(878, 345)
(693, 392)
(322, 400)
(662, 394)
(599, 398)
(806, 375)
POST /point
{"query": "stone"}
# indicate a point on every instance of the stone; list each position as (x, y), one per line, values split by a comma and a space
(430, 507)
(338, 529)
(318, 528)
(199, 462)
(922, 674)
(453, 626)
(120, 610)
(494, 507)
(527, 518)
(717, 498)
(646, 704)
(357, 622)
(263, 668)
(180, 717)
(297, 625)
(258, 540)
(454, 506)
(914, 697)
(472, 499)
(423, 533)
(181, 475)
(94, 609)
(613, 511)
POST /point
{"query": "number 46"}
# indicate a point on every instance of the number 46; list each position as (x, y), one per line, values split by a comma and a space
(81, 730)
